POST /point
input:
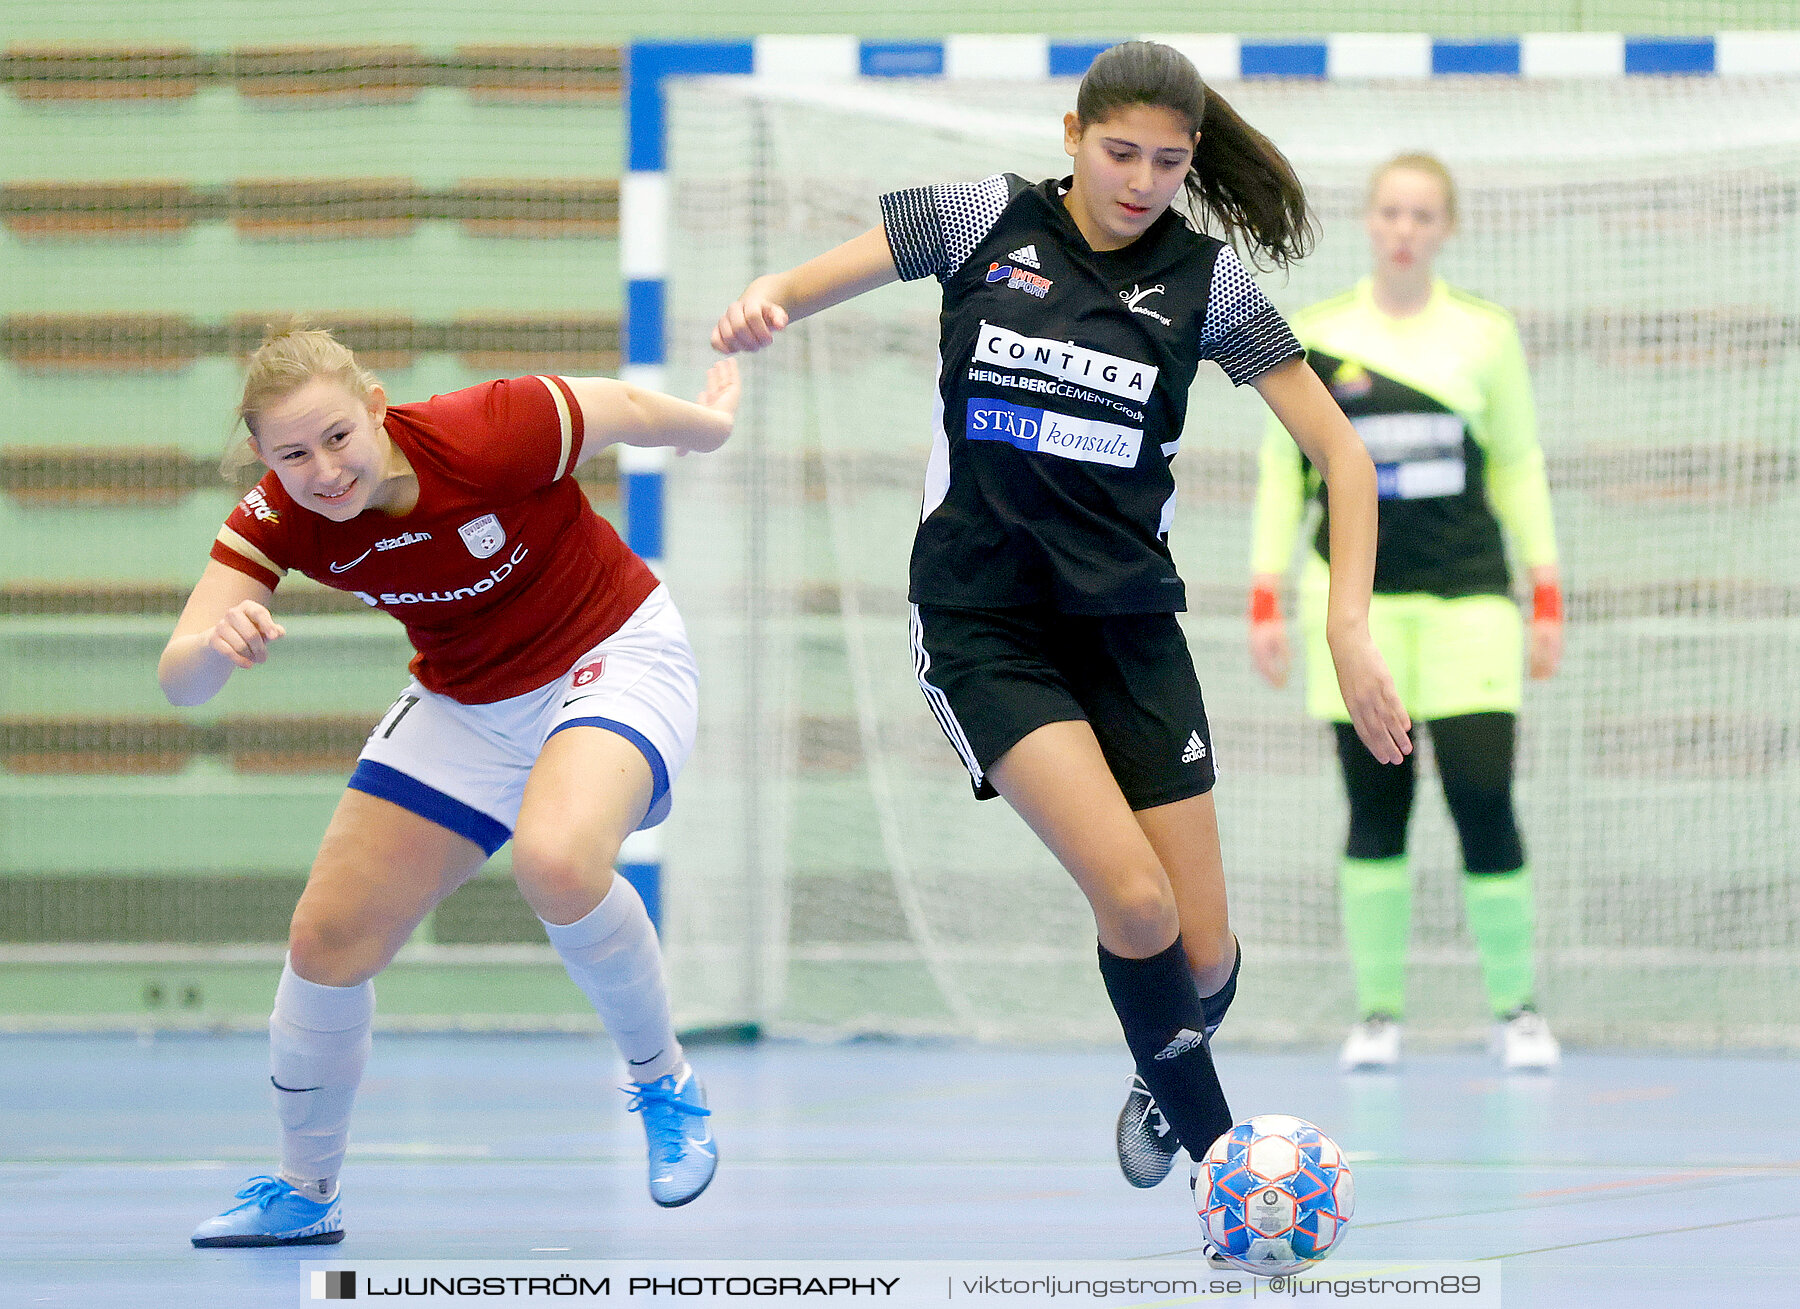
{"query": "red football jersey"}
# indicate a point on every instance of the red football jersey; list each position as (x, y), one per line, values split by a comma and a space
(502, 573)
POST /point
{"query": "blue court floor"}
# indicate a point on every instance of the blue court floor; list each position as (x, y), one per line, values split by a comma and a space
(1624, 1179)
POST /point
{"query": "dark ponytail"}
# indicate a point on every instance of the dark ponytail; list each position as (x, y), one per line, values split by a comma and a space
(1238, 176)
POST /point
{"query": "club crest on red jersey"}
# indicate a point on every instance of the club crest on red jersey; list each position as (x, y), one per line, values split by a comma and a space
(588, 673)
(484, 536)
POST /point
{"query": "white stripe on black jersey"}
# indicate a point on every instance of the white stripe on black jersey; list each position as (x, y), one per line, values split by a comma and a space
(1063, 389)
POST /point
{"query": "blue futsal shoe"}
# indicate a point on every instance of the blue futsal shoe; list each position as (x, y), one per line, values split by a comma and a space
(683, 1155)
(274, 1213)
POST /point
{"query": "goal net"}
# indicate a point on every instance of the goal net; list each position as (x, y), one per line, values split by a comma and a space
(828, 868)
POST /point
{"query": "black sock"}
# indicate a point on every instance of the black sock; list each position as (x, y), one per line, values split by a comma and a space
(1215, 1005)
(1159, 1007)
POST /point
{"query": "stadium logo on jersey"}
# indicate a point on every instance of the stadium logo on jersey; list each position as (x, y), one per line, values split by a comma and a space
(1027, 256)
(1350, 381)
(484, 536)
(1017, 279)
(257, 505)
(588, 673)
(1066, 362)
(405, 538)
(1044, 432)
(1135, 297)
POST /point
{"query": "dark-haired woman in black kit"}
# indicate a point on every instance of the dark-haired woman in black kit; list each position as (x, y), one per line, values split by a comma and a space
(1076, 312)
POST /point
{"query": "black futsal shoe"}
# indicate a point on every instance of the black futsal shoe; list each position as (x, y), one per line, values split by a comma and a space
(1145, 1141)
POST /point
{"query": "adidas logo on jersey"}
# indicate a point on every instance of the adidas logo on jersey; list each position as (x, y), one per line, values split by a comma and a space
(1196, 749)
(1026, 255)
(1186, 1039)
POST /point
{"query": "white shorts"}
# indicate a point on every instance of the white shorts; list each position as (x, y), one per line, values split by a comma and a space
(464, 766)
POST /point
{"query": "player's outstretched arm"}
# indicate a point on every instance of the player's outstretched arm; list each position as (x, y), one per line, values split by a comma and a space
(619, 413)
(1297, 397)
(225, 625)
(770, 303)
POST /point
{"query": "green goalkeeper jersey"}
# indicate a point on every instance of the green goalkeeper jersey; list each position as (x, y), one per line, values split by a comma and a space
(1442, 400)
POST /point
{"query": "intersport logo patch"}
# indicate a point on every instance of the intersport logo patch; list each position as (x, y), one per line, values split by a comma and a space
(1019, 279)
(1066, 362)
(1043, 431)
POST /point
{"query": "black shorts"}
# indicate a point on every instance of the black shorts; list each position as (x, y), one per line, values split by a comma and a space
(993, 676)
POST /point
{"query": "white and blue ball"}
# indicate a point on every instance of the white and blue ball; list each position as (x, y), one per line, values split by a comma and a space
(1274, 1195)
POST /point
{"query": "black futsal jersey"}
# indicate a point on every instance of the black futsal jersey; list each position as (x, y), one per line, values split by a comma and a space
(1062, 391)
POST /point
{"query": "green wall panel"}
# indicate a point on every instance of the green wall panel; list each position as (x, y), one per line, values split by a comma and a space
(237, 995)
(205, 819)
(327, 664)
(439, 137)
(210, 273)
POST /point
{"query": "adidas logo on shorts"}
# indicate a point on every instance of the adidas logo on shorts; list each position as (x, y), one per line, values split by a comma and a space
(1026, 255)
(1196, 749)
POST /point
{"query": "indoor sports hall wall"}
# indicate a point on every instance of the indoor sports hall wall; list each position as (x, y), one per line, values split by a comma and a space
(221, 22)
(440, 182)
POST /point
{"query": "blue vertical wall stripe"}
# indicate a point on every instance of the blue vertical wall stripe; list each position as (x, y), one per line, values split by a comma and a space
(647, 63)
(902, 59)
(644, 321)
(1654, 55)
(643, 496)
(1283, 58)
(1498, 58)
(1071, 58)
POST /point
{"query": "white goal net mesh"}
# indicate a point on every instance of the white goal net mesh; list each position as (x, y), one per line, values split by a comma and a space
(828, 868)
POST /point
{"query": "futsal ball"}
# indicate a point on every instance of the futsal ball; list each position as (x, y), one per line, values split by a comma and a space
(1274, 1194)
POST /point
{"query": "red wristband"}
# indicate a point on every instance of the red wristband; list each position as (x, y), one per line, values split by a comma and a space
(1546, 603)
(1264, 607)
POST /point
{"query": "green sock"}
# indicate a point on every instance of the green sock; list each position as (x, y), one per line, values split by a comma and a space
(1377, 923)
(1500, 916)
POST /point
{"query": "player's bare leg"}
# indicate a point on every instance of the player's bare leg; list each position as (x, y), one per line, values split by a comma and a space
(1057, 779)
(379, 871)
(1185, 836)
(590, 789)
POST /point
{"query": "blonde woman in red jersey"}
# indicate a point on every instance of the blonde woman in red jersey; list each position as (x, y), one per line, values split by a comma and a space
(552, 704)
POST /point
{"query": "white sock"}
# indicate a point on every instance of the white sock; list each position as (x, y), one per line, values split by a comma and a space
(318, 1045)
(613, 956)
